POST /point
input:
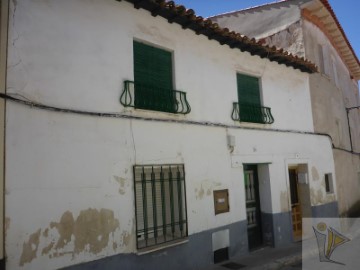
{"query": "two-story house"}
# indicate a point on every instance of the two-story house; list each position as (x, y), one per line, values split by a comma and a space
(141, 136)
(309, 28)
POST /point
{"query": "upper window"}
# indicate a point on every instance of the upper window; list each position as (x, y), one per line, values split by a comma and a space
(153, 78)
(160, 204)
(249, 108)
(152, 88)
(329, 188)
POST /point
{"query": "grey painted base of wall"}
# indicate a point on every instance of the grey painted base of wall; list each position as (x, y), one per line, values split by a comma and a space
(277, 229)
(327, 210)
(195, 254)
(198, 252)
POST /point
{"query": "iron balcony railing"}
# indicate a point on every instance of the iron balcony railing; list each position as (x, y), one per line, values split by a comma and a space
(153, 98)
(252, 114)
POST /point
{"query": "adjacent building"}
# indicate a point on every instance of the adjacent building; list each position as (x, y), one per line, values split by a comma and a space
(140, 136)
(310, 29)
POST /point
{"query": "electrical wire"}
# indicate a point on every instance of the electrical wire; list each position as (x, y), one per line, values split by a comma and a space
(33, 104)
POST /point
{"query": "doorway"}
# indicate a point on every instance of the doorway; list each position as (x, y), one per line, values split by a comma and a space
(296, 215)
(253, 211)
(299, 198)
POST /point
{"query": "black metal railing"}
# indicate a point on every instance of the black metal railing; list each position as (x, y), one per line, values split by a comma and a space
(252, 114)
(153, 98)
(160, 204)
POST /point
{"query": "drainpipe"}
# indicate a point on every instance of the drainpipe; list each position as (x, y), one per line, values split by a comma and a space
(4, 15)
(347, 115)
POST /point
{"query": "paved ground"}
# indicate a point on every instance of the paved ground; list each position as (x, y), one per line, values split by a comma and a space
(267, 258)
(294, 266)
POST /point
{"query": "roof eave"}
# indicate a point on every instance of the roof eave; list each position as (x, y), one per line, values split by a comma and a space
(352, 62)
(188, 20)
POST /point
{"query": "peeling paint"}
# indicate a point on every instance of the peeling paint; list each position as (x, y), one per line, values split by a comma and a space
(200, 193)
(206, 188)
(320, 197)
(91, 224)
(315, 174)
(30, 248)
(46, 232)
(126, 237)
(115, 246)
(121, 182)
(89, 232)
(65, 228)
(47, 249)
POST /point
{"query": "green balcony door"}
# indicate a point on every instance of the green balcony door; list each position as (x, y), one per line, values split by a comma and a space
(249, 98)
(153, 78)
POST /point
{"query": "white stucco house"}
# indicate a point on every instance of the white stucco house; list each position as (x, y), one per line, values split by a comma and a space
(140, 136)
(310, 29)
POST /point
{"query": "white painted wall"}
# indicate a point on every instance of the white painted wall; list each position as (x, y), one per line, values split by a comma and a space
(4, 7)
(330, 101)
(76, 54)
(344, 93)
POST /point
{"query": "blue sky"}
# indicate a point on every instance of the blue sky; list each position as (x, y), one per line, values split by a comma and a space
(347, 12)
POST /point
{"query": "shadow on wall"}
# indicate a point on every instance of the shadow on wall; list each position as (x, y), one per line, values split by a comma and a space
(354, 211)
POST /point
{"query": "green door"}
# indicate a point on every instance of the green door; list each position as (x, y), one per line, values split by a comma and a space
(253, 212)
(249, 99)
(153, 78)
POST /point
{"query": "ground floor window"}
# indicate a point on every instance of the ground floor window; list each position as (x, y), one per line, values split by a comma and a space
(160, 204)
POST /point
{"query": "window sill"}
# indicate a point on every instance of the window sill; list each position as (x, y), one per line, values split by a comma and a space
(162, 246)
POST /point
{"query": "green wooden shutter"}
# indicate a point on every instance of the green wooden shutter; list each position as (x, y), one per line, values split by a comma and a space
(153, 78)
(249, 99)
(248, 90)
(152, 66)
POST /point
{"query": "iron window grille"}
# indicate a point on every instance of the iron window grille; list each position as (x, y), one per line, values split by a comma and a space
(160, 204)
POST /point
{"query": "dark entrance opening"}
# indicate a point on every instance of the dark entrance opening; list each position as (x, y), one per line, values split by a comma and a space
(221, 255)
(253, 211)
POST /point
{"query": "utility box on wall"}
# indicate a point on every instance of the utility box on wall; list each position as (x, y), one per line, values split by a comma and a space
(221, 201)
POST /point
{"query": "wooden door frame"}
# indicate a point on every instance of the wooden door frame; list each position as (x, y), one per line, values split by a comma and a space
(294, 168)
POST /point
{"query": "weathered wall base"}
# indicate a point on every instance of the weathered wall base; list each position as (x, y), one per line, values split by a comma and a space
(328, 210)
(195, 254)
(347, 167)
(277, 229)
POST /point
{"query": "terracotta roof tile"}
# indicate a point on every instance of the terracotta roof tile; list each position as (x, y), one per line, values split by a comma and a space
(331, 11)
(187, 19)
(354, 69)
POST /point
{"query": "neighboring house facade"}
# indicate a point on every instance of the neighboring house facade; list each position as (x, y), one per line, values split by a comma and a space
(310, 29)
(109, 167)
